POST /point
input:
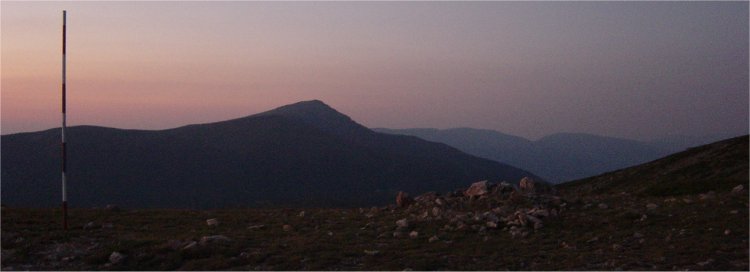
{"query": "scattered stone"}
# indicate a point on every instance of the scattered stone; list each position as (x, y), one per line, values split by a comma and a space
(413, 234)
(705, 263)
(734, 211)
(108, 225)
(89, 225)
(727, 232)
(436, 211)
(403, 200)
(256, 227)
(116, 257)
(244, 255)
(479, 188)
(491, 225)
(112, 208)
(603, 206)
(330, 233)
(687, 200)
(287, 228)
(707, 196)
(301, 214)
(190, 245)
(434, 238)
(214, 239)
(596, 238)
(403, 223)
(213, 222)
(651, 206)
(738, 189)
(527, 185)
(371, 252)
(637, 235)
(397, 234)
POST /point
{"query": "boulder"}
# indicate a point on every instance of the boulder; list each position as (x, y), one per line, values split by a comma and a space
(403, 200)
(477, 189)
(403, 223)
(413, 234)
(527, 185)
(213, 222)
(738, 189)
(112, 208)
(214, 239)
(116, 257)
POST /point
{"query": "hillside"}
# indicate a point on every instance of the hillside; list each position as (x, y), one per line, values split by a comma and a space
(616, 221)
(717, 166)
(304, 154)
(557, 158)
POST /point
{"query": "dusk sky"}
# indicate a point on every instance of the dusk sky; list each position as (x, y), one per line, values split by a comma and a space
(637, 70)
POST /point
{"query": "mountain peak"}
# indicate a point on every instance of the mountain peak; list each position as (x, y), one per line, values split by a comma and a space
(318, 114)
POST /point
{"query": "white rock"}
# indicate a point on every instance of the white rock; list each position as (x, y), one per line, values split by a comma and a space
(433, 239)
(190, 245)
(413, 234)
(213, 222)
(477, 189)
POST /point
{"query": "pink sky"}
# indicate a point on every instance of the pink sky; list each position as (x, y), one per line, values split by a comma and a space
(634, 70)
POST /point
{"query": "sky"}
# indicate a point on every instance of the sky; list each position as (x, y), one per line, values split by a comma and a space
(637, 70)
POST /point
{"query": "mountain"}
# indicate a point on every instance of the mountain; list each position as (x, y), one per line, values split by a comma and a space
(304, 154)
(718, 166)
(557, 158)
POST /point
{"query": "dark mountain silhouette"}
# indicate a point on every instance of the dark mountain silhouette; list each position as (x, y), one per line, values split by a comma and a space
(557, 158)
(717, 166)
(305, 154)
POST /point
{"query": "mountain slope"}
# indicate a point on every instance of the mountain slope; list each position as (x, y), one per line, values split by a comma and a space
(717, 166)
(305, 154)
(557, 158)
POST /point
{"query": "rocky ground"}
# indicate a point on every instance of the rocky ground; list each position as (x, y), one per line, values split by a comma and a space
(487, 226)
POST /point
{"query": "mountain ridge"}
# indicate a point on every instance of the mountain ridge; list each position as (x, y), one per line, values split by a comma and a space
(274, 158)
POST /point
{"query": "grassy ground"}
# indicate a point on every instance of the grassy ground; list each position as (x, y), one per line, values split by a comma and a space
(683, 232)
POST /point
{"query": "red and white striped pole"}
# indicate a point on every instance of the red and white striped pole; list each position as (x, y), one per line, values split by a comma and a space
(64, 153)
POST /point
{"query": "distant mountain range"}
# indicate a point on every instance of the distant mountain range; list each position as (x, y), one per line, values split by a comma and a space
(304, 154)
(558, 157)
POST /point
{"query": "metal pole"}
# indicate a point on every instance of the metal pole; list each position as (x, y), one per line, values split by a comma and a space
(64, 153)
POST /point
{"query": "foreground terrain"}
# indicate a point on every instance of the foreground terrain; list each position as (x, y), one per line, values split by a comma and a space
(688, 211)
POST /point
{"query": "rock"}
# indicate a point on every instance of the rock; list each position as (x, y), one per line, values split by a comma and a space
(371, 252)
(287, 228)
(116, 257)
(214, 239)
(213, 222)
(705, 263)
(190, 245)
(301, 214)
(637, 235)
(707, 196)
(477, 189)
(108, 225)
(603, 206)
(433, 239)
(651, 206)
(413, 234)
(397, 234)
(89, 225)
(403, 223)
(112, 208)
(738, 189)
(538, 225)
(527, 185)
(491, 225)
(436, 211)
(727, 232)
(533, 219)
(596, 238)
(403, 200)
(256, 227)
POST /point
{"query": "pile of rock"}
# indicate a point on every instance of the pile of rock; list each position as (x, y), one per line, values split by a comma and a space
(482, 207)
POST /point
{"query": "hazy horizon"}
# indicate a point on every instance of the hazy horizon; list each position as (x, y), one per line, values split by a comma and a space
(635, 70)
